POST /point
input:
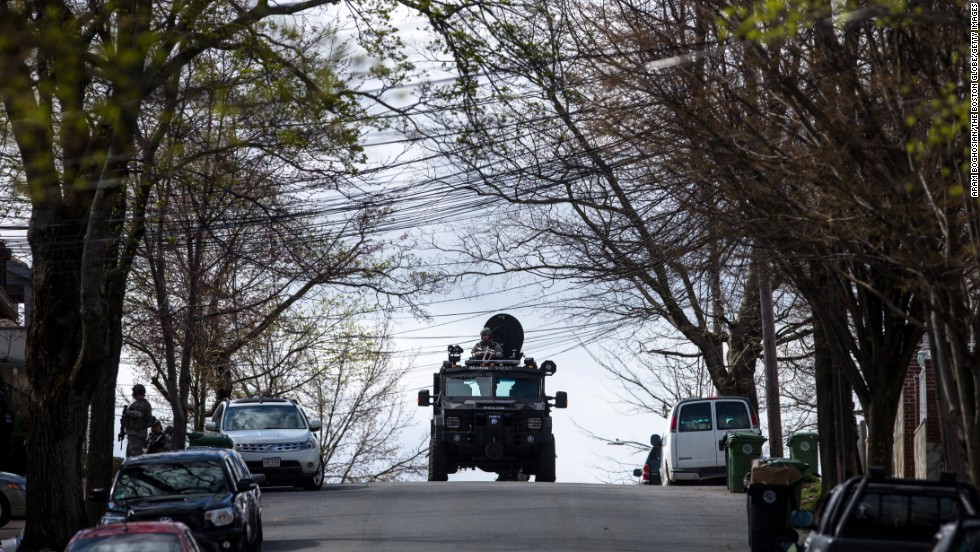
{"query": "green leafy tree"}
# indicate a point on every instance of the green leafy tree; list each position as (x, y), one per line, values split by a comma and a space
(80, 80)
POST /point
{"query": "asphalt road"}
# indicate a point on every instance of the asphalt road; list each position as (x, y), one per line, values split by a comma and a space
(461, 516)
(11, 530)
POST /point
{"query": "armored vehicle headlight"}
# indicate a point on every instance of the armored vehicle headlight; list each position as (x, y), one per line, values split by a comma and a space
(452, 422)
(534, 423)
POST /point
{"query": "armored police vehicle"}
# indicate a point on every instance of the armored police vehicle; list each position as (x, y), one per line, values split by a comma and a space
(490, 411)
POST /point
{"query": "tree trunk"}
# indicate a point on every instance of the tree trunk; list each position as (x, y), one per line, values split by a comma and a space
(101, 444)
(830, 446)
(102, 438)
(836, 423)
(880, 415)
(59, 407)
(956, 378)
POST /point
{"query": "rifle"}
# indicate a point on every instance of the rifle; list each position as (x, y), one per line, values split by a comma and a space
(122, 426)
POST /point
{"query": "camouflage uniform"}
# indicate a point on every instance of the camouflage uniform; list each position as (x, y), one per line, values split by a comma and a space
(158, 442)
(487, 348)
(136, 419)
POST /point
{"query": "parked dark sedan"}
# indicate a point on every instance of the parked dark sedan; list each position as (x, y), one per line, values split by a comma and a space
(649, 474)
(208, 489)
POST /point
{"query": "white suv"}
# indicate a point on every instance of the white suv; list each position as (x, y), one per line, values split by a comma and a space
(274, 437)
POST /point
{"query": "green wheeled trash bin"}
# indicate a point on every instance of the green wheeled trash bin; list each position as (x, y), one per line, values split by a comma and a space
(199, 439)
(741, 448)
(805, 447)
(773, 493)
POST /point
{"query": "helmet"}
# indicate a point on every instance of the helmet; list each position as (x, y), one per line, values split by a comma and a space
(138, 389)
(156, 423)
(485, 331)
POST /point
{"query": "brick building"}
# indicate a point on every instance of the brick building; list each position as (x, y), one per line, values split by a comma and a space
(917, 450)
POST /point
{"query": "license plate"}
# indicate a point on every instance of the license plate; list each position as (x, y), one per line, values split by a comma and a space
(270, 462)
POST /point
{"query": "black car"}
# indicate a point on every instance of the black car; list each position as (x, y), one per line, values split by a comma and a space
(208, 489)
(956, 536)
(650, 473)
(874, 512)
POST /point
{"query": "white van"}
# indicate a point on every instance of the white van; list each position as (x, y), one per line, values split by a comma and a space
(691, 449)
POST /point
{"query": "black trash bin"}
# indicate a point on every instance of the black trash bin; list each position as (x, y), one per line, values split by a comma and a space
(769, 508)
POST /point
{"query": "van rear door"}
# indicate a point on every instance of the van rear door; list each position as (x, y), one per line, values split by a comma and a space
(694, 444)
(730, 415)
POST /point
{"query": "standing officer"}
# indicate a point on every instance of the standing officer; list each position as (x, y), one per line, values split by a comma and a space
(136, 418)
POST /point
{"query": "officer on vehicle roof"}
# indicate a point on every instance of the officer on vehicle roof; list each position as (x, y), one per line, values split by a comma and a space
(487, 348)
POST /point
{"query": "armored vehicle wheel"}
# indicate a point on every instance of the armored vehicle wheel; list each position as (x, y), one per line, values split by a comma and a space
(438, 461)
(546, 463)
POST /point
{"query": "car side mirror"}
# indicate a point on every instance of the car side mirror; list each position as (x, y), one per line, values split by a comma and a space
(210, 426)
(249, 483)
(315, 425)
(561, 399)
(98, 495)
(424, 398)
(802, 519)
(656, 440)
(637, 472)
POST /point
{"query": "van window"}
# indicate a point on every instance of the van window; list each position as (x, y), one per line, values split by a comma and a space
(695, 417)
(732, 415)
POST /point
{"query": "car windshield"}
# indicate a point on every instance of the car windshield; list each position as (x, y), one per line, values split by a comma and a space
(286, 416)
(517, 387)
(908, 516)
(487, 387)
(132, 542)
(146, 480)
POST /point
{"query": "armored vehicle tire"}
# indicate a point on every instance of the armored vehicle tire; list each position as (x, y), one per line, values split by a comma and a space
(546, 463)
(438, 461)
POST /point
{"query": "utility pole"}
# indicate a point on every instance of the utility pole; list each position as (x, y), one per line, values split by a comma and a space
(769, 355)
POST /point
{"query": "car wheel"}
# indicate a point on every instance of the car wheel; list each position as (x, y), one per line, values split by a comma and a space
(5, 512)
(315, 481)
(256, 544)
(546, 463)
(438, 461)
